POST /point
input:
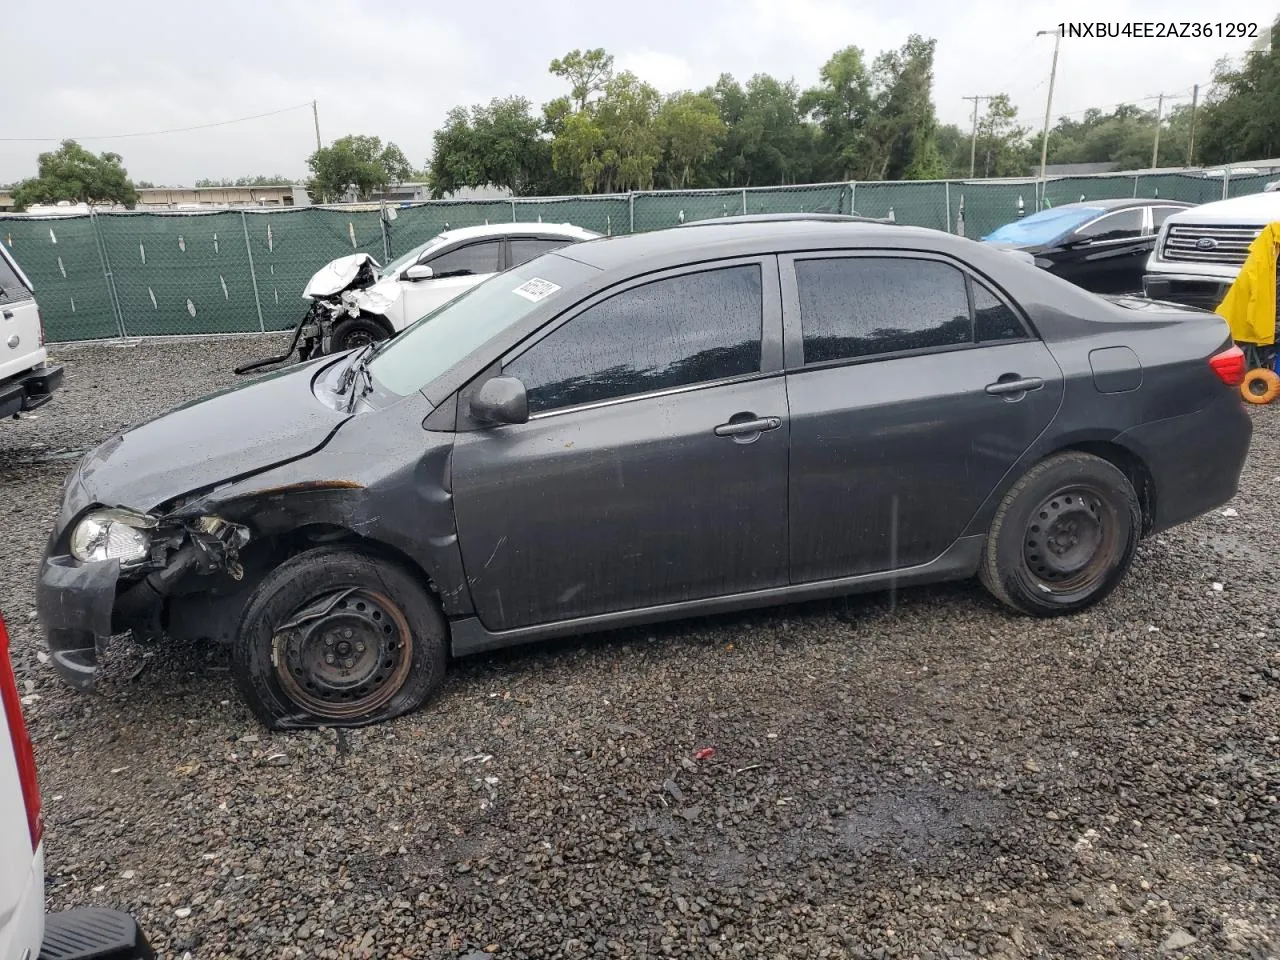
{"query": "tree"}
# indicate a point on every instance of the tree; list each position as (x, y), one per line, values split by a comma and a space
(73, 173)
(1241, 118)
(691, 127)
(766, 140)
(356, 164)
(900, 139)
(841, 104)
(500, 144)
(1003, 150)
(276, 180)
(588, 72)
(614, 142)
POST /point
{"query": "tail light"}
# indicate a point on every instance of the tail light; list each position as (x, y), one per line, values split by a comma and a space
(22, 750)
(1229, 366)
(40, 321)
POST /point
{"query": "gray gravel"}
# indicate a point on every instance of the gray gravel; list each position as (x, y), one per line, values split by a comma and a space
(922, 777)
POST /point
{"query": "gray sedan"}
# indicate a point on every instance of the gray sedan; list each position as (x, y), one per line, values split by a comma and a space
(648, 427)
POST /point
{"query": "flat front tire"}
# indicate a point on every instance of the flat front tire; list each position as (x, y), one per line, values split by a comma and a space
(1063, 537)
(338, 637)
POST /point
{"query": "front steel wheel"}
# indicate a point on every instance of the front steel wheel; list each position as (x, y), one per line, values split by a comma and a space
(1063, 537)
(338, 637)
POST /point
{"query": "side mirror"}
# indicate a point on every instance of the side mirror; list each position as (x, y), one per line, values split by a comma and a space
(419, 271)
(500, 401)
(1074, 242)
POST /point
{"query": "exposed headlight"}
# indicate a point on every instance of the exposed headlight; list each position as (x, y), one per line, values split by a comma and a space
(112, 535)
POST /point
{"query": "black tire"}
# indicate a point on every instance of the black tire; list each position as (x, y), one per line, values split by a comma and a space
(372, 645)
(1063, 537)
(355, 332)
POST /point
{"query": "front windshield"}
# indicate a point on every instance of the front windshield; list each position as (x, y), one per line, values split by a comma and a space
(1043, 226)
(451, 332)
(411, 257)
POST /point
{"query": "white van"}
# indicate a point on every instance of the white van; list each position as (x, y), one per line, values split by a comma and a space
(26, 932)
(27, 379)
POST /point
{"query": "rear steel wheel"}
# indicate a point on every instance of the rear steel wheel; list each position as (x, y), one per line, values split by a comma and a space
(1063, 536)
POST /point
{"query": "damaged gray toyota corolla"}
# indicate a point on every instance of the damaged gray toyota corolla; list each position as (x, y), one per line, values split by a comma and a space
(644, 428)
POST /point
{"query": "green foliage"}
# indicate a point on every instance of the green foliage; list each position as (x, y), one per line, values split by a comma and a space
(277, 180)
(691, 128)
(73, 173)
(613, 143)
(356, 164)
(500, 144)
(587, 72)
(1242, 112)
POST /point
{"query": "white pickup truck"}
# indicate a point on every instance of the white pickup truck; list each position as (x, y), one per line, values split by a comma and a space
(1199, 251)
(26, 932)
(27, 379)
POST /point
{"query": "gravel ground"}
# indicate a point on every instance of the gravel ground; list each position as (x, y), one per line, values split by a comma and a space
(922, 776)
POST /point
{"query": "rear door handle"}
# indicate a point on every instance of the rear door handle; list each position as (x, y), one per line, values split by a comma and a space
(1016, 384)
(742, 428)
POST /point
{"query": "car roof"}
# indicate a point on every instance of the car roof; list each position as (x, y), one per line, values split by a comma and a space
(516, 230)
(1119, 203)
(771, 217)
(676, 245)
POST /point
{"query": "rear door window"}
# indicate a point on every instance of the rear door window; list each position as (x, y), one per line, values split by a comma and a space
(524, 249)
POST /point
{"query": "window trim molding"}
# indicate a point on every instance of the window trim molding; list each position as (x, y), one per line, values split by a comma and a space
(793, 333)
(771, 359)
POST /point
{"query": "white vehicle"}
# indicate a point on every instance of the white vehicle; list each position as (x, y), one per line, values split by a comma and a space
(26, 932)
(1200, 251)
(369, 303)
(27, 379)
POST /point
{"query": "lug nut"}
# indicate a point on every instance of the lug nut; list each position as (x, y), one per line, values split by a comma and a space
(347, 634)
(360, 647)
(329, 659)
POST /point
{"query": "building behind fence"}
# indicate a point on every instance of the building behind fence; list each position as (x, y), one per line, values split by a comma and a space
(107, 275)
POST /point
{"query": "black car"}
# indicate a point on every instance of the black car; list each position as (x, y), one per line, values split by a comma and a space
(643, 428)
(1101, 245)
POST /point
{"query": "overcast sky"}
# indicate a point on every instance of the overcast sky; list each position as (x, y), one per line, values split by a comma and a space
(393, 68)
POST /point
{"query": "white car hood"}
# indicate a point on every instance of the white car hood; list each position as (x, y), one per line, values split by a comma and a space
(336, 275)
(1253, 208)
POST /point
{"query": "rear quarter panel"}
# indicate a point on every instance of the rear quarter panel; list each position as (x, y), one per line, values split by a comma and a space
(1174, 380)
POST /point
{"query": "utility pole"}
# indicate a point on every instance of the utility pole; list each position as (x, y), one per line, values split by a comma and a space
(1048, 103)
(1191, 139)
(1155, 144)
(315, 115)
(973, 145)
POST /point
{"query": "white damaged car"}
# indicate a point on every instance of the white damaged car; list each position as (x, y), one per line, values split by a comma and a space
(354, 301)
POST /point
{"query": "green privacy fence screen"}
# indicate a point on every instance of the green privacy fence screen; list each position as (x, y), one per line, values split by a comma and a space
(232, 271)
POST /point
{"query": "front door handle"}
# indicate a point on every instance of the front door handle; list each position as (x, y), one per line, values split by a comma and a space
(1012, 383)
(746, 428)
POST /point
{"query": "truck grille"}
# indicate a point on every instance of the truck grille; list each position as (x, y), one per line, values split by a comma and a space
(1209, 243)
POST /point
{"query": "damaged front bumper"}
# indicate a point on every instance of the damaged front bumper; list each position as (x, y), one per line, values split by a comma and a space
(82, 604)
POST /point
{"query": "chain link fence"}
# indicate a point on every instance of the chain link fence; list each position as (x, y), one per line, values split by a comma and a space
(107, 275)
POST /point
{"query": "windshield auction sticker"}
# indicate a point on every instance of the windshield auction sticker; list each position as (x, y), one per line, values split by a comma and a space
(536, 289)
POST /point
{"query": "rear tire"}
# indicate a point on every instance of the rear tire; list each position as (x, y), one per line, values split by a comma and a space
(338, 637)
(1063, 537)
(355, 332)
(1260, 385)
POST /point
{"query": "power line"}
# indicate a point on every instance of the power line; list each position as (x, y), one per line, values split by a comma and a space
(156, 133)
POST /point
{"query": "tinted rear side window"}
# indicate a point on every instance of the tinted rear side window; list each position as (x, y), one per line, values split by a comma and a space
(524, 249)
(992, 318)
(864, 306)
(12, 288)
(675, 332)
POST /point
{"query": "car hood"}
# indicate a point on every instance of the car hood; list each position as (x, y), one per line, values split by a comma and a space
(336, 275)
(208, 442)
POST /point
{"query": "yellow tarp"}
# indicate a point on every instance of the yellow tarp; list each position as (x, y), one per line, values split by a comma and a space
(1250, 305)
